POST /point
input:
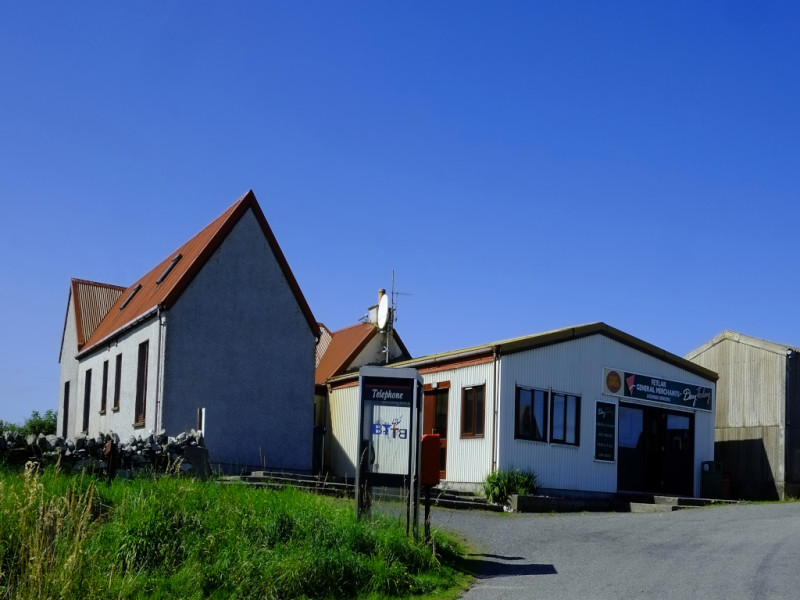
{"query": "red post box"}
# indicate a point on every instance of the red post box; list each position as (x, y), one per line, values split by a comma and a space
(429, 460)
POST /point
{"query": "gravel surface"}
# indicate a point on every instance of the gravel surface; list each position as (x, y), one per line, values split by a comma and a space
(726, 552)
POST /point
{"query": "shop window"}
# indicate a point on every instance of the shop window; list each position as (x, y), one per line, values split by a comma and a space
(473, 410)
(531, 415)
(565, 412)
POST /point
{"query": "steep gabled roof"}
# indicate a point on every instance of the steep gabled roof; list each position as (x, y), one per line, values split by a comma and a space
(163, 285)
(345, 346)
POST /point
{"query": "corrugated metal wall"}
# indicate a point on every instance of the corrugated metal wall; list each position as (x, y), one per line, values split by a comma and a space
(341, 442)
(576, 367)
(752, 384)
(469, 459)
(95, 302)
(751, 412)
(792, 487)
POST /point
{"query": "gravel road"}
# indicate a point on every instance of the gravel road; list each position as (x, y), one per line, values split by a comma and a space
(728, 552)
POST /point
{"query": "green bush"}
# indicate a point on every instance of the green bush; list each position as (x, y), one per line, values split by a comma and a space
(500, 484)
(35, 424)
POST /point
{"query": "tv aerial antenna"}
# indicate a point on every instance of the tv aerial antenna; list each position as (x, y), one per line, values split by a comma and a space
(387, 316)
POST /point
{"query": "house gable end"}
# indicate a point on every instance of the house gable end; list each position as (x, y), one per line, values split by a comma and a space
(237, 345)
(182, 266)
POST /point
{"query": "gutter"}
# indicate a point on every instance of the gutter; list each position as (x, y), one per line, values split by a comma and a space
(159, 383)
(496, 356)
(130, 325)
(418, 364)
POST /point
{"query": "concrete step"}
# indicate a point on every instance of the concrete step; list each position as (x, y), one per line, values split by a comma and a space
(645, 507)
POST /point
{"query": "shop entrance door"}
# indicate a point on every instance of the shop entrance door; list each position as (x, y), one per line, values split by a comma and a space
(434, 420)
(656, 451)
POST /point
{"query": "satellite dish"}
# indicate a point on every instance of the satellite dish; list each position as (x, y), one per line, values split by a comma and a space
(383, 311)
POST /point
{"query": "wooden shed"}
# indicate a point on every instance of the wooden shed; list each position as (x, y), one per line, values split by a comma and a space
(757, 431)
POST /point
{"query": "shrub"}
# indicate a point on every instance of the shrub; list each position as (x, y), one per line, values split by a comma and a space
(35, 424)
(500, 484)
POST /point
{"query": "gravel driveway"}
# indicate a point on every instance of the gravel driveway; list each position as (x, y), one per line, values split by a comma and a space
(728, 552)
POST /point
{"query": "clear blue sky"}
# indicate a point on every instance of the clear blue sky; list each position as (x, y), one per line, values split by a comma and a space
(521, 166)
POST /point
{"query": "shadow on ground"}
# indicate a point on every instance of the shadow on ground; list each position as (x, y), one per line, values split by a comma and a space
(488, 566)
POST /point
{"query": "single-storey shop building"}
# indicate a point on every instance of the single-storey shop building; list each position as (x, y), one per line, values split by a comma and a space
(589, 409)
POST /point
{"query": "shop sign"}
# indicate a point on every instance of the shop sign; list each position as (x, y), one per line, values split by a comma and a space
(605, 437)
(644, 387)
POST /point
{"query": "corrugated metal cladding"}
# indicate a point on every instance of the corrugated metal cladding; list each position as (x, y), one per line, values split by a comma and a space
(752, 383)
(342, 441)
(469, 459)
(754, 425)
(94, 300)
(752, 458)
(576, 367)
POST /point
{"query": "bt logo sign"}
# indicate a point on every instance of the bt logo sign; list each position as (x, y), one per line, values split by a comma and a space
(390, 429)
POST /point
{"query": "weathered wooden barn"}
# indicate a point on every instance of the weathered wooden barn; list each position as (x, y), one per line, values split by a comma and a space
(757, 431)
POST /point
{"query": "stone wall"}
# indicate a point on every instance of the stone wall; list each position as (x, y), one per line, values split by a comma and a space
(184, 454)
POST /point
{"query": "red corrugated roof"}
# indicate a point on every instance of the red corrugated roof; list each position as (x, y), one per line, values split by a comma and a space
(194, 255)
(345, 346)
(343, 349)
(93, 301)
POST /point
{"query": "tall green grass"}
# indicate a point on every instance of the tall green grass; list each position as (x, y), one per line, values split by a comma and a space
(66, 537)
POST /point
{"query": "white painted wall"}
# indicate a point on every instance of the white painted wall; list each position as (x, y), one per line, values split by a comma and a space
(374, 354)
(121, 421)
(240, 347)
(469, 459)
(69, 370)
(576, 367)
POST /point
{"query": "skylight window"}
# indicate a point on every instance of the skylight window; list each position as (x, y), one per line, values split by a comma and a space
(169, 268)
(129, 298)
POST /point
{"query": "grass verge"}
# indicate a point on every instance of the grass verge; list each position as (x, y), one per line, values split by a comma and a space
(67, 537)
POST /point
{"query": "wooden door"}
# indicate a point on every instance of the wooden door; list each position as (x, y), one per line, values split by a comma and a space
(435, 421)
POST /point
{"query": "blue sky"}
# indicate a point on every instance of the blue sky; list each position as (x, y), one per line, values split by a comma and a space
(520, 166)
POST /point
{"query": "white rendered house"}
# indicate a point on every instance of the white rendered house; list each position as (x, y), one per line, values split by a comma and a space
(217, 337)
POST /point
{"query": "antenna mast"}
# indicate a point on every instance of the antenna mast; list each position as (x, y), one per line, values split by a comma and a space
(390, 322)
